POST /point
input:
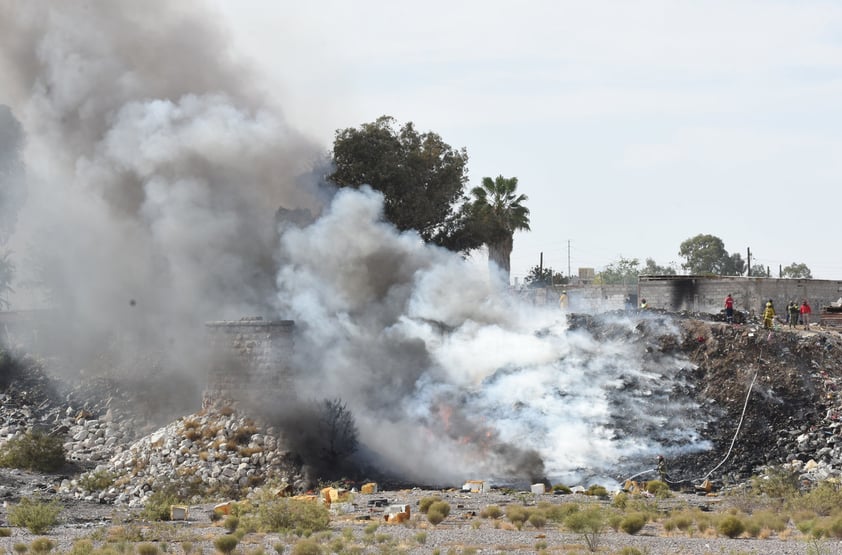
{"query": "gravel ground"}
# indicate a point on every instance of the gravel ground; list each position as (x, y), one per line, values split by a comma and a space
(462, 532)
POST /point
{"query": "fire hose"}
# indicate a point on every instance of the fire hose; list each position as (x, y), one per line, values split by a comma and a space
(730, 448)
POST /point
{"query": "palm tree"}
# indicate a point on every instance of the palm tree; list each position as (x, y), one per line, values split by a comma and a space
(500, 212)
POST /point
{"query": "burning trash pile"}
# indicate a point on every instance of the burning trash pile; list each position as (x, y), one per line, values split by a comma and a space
(776, 396)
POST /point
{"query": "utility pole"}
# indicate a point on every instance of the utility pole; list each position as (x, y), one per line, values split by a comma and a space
(568, 261)
(748, 252)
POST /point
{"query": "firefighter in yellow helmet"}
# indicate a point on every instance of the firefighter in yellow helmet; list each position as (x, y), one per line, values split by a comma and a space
(768, 315)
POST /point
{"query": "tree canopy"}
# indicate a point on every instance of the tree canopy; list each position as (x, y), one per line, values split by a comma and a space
(624, 270)
(422, 178)
(797, 271)
(497, 211)
(545, 276)
(706, 254)
(653, 269)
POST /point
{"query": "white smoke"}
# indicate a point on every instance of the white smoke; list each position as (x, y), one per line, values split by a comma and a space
(453, 378)
(154, 170)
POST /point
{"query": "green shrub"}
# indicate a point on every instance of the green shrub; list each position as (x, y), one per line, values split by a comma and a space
(5, 532)
(834, 526)
(767, 519)
(537, 519)
(434, 516)
(491, 511)
(284, 514)
(561, 488)
(777, 482)
(630, 551)
(731, 526)
(306, 547)
(659, 489)
(517, 515)
(231, 522)
(158, 505)
(823, 499)
(20, 548)
(147, 548)
(633, 523)
(41, 545)
(34, 450)
(557, 513)
(620, 500)
(35, 515)
(96, 481)
(441, 506)
(425, 503)
(226, 544)
(187, 547)
(590, 523)
(82, 546)
(421, 538)
(597, 491)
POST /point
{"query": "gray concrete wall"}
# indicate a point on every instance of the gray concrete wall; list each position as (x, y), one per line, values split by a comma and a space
(707, 293)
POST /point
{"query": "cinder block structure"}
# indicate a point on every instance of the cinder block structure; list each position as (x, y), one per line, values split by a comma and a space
(707, 293)
(251, 361)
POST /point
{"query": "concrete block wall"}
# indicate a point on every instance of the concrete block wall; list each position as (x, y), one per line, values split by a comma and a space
(600, 298)
(707, 293)
(251, 360)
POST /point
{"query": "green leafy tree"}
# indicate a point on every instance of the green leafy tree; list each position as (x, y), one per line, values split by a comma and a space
(797, 271)
(759, 270)
(422, 178)
(498, 211)
(538, 275)
(653, 269)
(706, 254)
(736, 266)
(625, 270)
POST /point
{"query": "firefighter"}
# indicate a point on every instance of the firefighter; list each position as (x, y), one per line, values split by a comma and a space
(768, 315)
(662, 468)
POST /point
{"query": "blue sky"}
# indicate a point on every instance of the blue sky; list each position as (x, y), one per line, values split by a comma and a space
(631, 126)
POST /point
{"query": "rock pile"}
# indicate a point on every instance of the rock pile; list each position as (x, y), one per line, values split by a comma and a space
(109, 443)
(216, 451)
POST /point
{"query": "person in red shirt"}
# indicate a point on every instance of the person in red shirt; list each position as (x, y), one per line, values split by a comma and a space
(805, 314)
(729, 309)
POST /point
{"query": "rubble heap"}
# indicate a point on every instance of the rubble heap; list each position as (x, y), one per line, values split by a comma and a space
(208, 452)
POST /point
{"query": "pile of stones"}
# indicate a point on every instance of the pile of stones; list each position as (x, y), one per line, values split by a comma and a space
(210, 452)
(109, 444)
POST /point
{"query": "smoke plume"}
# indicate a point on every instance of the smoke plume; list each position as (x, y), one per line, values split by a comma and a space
(451, 378)
(154, 169)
